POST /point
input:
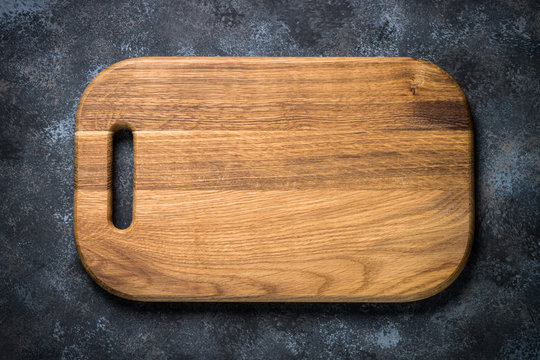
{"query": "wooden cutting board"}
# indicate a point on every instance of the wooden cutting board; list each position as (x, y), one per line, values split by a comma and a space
(277, 179)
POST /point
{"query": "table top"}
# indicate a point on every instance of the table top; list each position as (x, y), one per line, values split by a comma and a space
(51, 308)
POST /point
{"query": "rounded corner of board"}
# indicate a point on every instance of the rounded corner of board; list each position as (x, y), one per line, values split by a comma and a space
(439, 287)
(111, 289)
(437, 68)
(103, 75)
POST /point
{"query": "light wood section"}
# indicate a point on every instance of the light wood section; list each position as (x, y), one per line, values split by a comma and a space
(277, 179)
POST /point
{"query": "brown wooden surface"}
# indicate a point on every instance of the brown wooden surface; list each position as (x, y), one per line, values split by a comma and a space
(277, 179)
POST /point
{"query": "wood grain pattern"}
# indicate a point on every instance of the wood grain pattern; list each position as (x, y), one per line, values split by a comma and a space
(277, 179)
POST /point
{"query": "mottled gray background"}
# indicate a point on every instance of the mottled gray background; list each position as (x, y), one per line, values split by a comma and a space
(50, 308)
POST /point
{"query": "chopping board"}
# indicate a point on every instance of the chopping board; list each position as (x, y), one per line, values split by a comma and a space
(277, 179)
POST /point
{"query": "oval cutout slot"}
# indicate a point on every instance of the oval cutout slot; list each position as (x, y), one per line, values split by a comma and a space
(122, 178)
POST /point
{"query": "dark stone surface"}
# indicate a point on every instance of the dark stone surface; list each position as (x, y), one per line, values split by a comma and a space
(122, 178)
(50, 308)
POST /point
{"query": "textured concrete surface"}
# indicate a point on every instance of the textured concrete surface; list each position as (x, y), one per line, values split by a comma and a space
(50, 308)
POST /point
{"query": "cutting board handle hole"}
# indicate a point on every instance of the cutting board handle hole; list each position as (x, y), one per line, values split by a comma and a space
(122, 178)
